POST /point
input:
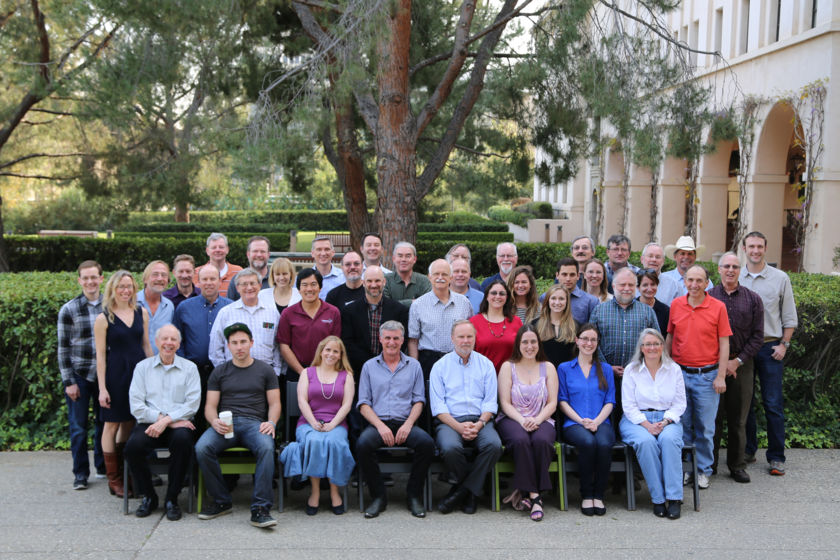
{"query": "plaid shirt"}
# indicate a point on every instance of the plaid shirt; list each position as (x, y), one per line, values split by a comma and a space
(76, 347)
(620, 329)
(374, 320)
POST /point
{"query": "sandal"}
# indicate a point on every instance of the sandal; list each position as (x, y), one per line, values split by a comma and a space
(536, 509)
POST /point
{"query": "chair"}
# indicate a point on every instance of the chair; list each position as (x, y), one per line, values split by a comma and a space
(623, 464)
(396, 459)
(159, 464)
(238, 460)
(689, 459)
(506, 465)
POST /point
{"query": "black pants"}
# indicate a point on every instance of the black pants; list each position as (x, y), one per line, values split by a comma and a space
(418, 440)
(427, 359)
(180, 442)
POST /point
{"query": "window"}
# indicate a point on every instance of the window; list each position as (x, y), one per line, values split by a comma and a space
(744, 27)
(718, 44)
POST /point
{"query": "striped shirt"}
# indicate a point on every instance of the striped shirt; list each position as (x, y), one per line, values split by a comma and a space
(430, 320)
(262, 319)
(76, 346)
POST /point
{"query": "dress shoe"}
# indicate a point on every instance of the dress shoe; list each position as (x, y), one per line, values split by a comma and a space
(377, 506)
(452, 500)
(674, 509)
(587, 511)
(339, 509)
(599, 511)
(173, 511)
(469, 506)
(740, 475)
(659, 510)
(311, 510)
(416, 507)
(147, 506)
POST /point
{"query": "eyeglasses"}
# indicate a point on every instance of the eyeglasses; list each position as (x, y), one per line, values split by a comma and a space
(588, 340)
(651, 345)
(730, 266)
(496, 293)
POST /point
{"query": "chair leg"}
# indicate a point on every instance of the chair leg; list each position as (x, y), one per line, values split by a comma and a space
(360, 477)
(125, 487)
(696, 484)
(200, 490)
(630, 482)
(494, 489)
(565, 498)
(561, 484)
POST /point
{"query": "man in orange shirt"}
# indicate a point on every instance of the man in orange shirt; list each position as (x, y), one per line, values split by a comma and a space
(698, 340)
(217, 250)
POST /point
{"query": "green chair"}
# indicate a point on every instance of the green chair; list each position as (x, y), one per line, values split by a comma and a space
(505, 465)
(238, 460)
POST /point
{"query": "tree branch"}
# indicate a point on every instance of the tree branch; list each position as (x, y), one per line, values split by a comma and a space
(46, 177)
(472, 54)
(4, 165)
(465, 148)
(324, 5)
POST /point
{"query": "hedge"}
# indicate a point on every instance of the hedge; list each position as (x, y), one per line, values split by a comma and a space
(32, 413)
(468, 237)
(279, 241)
(208, 227)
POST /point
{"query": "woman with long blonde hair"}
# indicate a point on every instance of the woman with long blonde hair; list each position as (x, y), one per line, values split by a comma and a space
(556, 327)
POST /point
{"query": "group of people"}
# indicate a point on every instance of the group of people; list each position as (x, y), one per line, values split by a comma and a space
(386, 358)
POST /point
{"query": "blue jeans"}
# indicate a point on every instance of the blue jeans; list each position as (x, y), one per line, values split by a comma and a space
(659, 456)
(78, 416)
(698, 420)
(769, 372)
(246, 434)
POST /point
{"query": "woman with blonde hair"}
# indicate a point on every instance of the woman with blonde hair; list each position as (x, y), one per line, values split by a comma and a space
(121, 335)
(321, 448)
(523, 285)
(281, 279)
(556, 327)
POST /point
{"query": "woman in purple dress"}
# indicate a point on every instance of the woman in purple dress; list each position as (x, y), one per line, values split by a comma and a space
(321, 449)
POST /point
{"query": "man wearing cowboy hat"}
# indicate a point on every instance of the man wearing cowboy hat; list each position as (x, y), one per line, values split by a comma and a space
(685, 254)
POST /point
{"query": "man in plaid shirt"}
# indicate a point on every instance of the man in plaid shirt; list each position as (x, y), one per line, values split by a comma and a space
(77, 363)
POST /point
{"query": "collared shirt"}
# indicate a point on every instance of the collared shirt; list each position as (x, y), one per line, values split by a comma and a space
(776, 292)
(475, 297)
(696, 331)
(679, 288)
(385, 271)
(173, 390)
(195, 318)
(487, 281)
(174, 295)
(262, 319)
(332, 279)
(611, 272)
(396, 288)
(583, 304)
(620, 329)
(640, 391)
(163, 315)
(76, 346)
(374, 311)
(226, 275)
(233, 293)
(583, 393)
(463, 389)
(746, 319)
(430, 320)
(391, 394)
(303, 333)
(668, 289)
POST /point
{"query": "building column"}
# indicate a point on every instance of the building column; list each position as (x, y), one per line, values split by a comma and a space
(765, 211)
(611, 193)
(711, 223)
(821, 241)
(671, 210)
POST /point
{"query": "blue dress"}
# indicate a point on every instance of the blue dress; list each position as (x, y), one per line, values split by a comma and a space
(124, 349)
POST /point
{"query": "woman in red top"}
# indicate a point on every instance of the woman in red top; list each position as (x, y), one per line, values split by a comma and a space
(496, 324)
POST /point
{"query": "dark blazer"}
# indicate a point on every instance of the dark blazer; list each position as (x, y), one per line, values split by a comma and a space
(355, 329)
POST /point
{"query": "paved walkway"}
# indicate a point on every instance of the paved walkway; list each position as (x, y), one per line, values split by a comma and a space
(796, 516)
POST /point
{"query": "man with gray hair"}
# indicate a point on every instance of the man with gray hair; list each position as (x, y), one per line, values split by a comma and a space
(618, 251)
(159, 308)
(653, 257)
(217, 250)
(405, 285)
(461, 251)
(506, 258)
(583, 250)
(258, 252)
(391, 399)
(260, 318)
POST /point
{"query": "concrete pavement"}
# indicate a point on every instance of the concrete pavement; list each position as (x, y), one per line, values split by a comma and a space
(795, 516)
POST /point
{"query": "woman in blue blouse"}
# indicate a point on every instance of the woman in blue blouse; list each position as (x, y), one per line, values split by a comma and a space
(586, 397)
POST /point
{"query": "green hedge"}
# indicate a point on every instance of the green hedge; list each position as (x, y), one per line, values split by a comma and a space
(208, 227)
(468, 237)
(32, 413)
(486, 226)
(542, 257)
(278, 241)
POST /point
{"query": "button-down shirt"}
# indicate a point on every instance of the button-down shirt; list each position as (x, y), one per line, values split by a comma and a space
(430, 320)
(174, 295)
(611, 272)
(163, 315)
(583, 304)
(332, 279)
(639, 391)
(620, 329)
(463, 388)
(679, 288)
(76, 346)
(195, 318)
(233, 293)
(173, 390)
(391, 394)
(262, 319)
(746, 319)
(396, 288)
(776, 292)
(668, 289)
(475, 297)
(583, 393)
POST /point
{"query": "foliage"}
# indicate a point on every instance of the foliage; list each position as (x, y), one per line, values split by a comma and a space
(505, 214)
(465, 237)
(72, 210)
(487, 225)
(208, 227)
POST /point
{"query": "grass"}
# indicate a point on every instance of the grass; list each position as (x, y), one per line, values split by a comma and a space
(304, 239)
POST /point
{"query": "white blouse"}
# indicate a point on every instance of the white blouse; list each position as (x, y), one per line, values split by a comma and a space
(640, 391)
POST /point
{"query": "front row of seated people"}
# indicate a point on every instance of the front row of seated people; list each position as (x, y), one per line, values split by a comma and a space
(465, 395)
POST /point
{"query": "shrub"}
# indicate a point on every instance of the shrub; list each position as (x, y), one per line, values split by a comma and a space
(465, 237)
(486, 225)
(505, 214)
(208, 227)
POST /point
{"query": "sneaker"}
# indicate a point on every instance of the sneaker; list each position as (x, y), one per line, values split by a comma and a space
(80, 483)
(215, 510)
(261, 518)
(777, 468)
(101, 475)
(688, 479)
(703, 481)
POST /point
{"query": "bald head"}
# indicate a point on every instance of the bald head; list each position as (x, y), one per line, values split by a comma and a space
(167, 340)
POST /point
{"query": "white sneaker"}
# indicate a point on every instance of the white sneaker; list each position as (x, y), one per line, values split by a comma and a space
(703, 480)
(687, 478)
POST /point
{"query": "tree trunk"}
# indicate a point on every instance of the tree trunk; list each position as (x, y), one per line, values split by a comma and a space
(654, 206)
(395, 136)
(182, 212)
(4, 260)
(351, 173)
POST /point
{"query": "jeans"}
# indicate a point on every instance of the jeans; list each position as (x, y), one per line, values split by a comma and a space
(452, 445)
(769, 372)
(594, 457)
(698, 420)
(78, 416)
(660, 457)
(246, 434)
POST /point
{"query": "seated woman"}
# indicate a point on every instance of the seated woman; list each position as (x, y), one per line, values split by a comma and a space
(587, 397)
(653, 396)
(321, 449)
(523, 285)
(495, 324)
(528, 399)
(556, 327)
(595, 280)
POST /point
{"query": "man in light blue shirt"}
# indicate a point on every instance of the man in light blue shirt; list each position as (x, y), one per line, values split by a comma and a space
(463, 395)
(685, 254)
(160, 309)
(323, 253)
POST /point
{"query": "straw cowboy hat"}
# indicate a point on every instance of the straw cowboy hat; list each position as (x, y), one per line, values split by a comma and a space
(685, 243)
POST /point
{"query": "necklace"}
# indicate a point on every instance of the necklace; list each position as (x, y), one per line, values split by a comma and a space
(323, 394)
(490, 328)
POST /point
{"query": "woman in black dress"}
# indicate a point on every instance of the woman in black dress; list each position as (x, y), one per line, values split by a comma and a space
(122, 340)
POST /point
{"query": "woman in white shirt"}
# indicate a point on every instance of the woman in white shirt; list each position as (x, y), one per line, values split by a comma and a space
(653, 398)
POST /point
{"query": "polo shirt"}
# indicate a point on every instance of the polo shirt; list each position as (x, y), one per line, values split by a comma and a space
(303, 333)
(396, 288)
(696, 331)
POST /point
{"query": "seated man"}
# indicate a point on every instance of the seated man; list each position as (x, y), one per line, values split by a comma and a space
(391, 398)
(248, 388)
(463, 394)
(164, 396)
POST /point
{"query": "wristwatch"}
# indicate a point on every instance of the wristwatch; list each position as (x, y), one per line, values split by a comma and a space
(785, 343)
